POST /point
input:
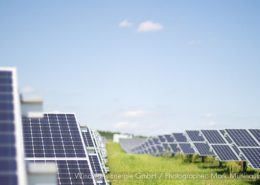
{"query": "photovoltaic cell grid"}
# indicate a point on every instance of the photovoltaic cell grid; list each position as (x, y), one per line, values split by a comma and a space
(256, 134)
(58, 136)
(253, 156)
(194, 135)
(166, 147)
(169, 138)
(242, 138)
(203, 149)
(246, 141)
(54, 135)
(156, 141)
(174, 148)
(199, 143)
(8, 149)
(213, 137)
(87, 138)
(162, 139)
(180, 137)
(225, 153)
(186, 148)
(95, 164)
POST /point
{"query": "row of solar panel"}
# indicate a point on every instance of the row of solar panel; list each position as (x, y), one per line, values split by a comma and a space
(59, 136)
(55, 138)
(10, 155)
(226, 145)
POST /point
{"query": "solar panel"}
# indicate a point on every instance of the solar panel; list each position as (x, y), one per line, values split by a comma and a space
(225, 153)
(203, 149)
(256, 134)
(186, 148)
(53, 135)
(156, 141)
(180, 137)
(213, 136)
(162, 139)
(194, 135)
(87, 138)
(174, 148)
(57, 137)
(235, 148)
(12, 167)
(150, 142)
(169, 138)
(242, 137)
(96, 166)
(153, 150)
(166, 147)
(253, 156)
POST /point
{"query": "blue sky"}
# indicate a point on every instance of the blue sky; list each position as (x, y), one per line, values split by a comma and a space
(140, 66)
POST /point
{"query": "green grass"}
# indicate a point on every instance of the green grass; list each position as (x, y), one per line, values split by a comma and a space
(128, 169)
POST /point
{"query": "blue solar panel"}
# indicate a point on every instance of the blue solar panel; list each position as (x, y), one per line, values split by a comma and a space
(87, 138)
(186, 148)
(194, 135)
(226, 136)
(153, 150)
(253, 156)
(162, 139)
(54, 135)
(11, 167)
(169, 138)
(225, 153)
(256, 134)
(96, 166)
(58, 136)
(235, 148)
(174, 148)
(241, 137)
(159, 149)
(180, 137)
(156, 141)
(213, 136)
(203, 149)
(166, 147)
(150, 141)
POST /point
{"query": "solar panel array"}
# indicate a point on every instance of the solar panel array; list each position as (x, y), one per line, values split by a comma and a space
(247, 144)
(220, 146)
(199, 143)
(12, 167)
(184, 146)
(57, 137)
(225, 145)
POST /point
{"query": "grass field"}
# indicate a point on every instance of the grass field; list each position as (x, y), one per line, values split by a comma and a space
(126, 169)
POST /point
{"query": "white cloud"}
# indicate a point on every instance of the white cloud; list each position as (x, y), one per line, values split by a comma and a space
(125, 24)
(149, 26)
(135, 113)
(194, 42)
